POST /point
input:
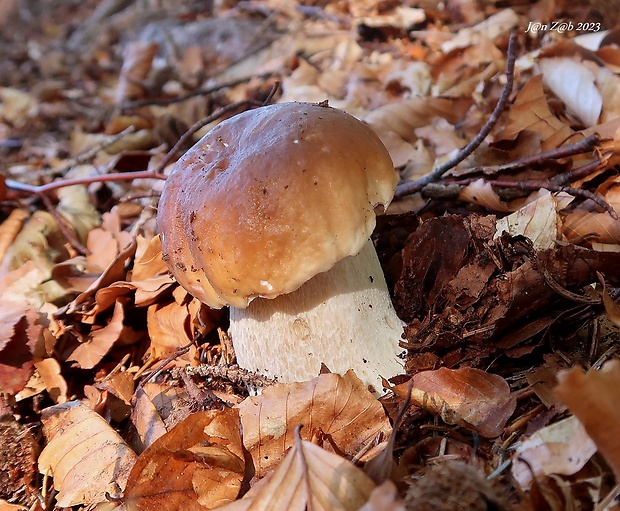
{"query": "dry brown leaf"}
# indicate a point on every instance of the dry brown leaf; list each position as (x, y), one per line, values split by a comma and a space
(169, 329)
(490, 28)
(583, 221)
(199, 464)
(384, 498)
(573, 83)
(137, 61)
(86, 457)
(467, 397)
(482, 193)
(395, 123)
(562, 448)
(51, 374)
(593, 397)
(88, 354)
(338, 406)
(20, 327)
(146, 420)
(309, 478)
(9, 229)
(539, 220)
(6, 506)
(530, 111)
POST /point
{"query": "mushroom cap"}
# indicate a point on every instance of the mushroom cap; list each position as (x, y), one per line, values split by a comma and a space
(269, 198)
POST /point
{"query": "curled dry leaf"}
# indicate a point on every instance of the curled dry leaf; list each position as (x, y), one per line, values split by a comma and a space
(88, 354)
(467, 397)
(197, 465)
(19, 330)
(137, 61)
(562, 448)
(573, 83)
(593, 397)
(338, 406)
(86, 457)
(309, 478)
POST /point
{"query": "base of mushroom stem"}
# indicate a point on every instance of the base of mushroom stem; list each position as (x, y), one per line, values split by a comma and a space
(342, 318)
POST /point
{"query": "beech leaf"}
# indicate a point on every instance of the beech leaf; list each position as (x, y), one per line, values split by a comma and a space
(310, 478)
(86, 457)
(338, 406)
(467, 397)
(199, 464)
(593, 397)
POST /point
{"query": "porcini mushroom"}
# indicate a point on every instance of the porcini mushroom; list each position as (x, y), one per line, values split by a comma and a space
(271, 213)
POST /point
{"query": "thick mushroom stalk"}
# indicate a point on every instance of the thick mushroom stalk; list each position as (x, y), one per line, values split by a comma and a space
(342, 318)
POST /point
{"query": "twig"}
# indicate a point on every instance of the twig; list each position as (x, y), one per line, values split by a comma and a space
(575, 174)
(411, 187)
(232, 373)
(198, 92)
(99, 178)
(583, 146)
(203, 122)
(552, 187)
(61, 222)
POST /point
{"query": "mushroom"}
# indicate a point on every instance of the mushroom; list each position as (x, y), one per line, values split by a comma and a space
(271, 213)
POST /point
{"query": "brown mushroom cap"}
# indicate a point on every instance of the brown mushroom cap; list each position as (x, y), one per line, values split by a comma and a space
(269, 198)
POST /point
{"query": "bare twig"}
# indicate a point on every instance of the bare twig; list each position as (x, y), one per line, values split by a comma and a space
(203, 122)
(583, 146)
(205, 91)
(411, 187)
(575, 174)
(552, 187)
(61, 222)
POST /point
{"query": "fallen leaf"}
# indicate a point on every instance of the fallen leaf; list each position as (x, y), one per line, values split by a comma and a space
(384, 498)
(19, 330)
(539, 220)
(573, 83)
(199, 464)
(467, 397)
(593, 397)
(89, 353)
(337, 406)
(86, 457)
(309, 478)
(562, 448)
(530, 111)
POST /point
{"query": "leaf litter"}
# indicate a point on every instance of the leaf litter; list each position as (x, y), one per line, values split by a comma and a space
(503, 265)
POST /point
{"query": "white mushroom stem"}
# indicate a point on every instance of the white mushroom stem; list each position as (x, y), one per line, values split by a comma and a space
(342, 318)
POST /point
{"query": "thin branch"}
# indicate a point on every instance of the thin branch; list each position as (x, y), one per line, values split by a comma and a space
(61, 222)
(578, 173)
(200, 124)
(585, 145)
(99, 178)
(552, 187)
(205, 91)
(411, 187)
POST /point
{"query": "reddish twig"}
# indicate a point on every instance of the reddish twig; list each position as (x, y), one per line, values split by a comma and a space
(411, 187)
